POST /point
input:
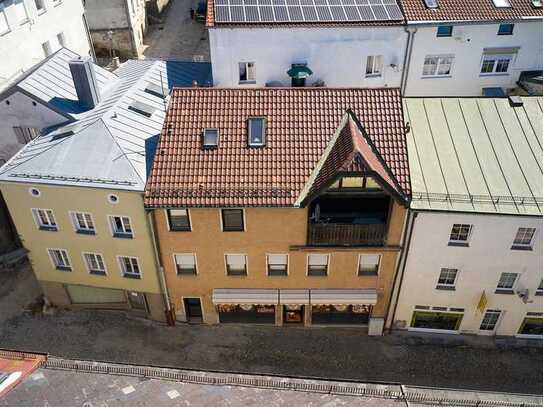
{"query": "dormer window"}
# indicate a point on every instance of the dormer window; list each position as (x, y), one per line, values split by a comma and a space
(501, 3)
(355, 183)
(257, 131)
(210, 138)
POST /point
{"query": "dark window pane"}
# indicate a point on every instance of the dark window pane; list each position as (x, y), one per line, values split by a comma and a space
(232, 220)
(179, 219)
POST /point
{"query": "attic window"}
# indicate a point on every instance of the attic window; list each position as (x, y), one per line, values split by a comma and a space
(155, 90)
(354, 183)
(210, 138)
(257, 131)
(502, 3)
(142, 108)
(432, 3)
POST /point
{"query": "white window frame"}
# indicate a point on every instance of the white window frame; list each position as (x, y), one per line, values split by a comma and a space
(461, 241)
(246, 264)
(490, 331)
(250, 73)
(496, 57)
(5, 17)
(507, 289)
(360, 256)
(65, 255)
(50, 215)
(94, 272)
(168, 219)
(268, 264)
(61, 39)
(77, 227)
(374, 64)
(43, 8)
(124, 273)
(447, 285)
(176, 264)
(123, 234)
(47, 49)
(250, 133)
(439, 64)
(327, 265)
(528, 245)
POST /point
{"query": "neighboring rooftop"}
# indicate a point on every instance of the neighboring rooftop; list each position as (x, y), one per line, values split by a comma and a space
(476, 154)
(111, 145)
(299, 125)
(469, 10)
(303, 12)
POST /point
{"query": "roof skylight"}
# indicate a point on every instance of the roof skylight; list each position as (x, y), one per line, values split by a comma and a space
(210, 138)
(142, 108)
(155, 90)
(257, 131)
(501, 3)
(431, 3)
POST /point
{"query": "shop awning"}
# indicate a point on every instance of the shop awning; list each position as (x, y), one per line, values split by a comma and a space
(293, 297)
(299, 72)
(245, 296)
(365, 296)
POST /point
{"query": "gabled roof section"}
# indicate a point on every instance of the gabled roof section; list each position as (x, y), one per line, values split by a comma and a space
(469, 10)
(68, 154)
(300, 123)
(351, 151)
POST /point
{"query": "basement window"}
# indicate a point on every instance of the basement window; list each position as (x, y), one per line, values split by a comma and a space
(210, 138)
(155, 90)
(142, 108)
(257, 131)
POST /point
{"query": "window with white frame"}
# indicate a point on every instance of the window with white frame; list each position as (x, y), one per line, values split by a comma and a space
(257, 131)
(185, 264)
(374, 66)
(247, 72)
(45, 219)
(46, 47)
(523, 238)
(539, 290)
(460, 234)
(121, 227)
(4, 26)
(95, 263)
(317, 265)
(130, 267)
(20, 11)
(496, 64)
(437, 65)
(178, 220)
(83, 223)
(490, 320)
(40, 6)
(61, 38)
(236, 264)
(60, 259)
(447, 279)
(506, 283)
(277, 264)
(368, 264)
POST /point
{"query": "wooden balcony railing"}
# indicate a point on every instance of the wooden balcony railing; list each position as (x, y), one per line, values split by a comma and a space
(336, 234)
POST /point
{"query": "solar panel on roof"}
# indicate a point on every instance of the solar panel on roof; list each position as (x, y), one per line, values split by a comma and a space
(254, 11)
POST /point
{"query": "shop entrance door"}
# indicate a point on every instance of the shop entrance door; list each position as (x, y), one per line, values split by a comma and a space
(193, 309)
(293, 314)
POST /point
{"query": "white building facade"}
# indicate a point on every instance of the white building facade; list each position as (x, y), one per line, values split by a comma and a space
(31, 30)
(458, 50)
(474, 240)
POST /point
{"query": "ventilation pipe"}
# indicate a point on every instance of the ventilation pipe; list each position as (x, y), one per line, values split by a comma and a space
(85, 83)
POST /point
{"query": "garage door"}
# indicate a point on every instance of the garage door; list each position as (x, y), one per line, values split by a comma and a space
(80, 294)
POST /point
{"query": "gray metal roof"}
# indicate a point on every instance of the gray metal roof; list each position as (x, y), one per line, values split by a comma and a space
(476, 154)
(111, 145)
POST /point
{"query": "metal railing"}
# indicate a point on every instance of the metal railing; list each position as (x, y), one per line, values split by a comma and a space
(338, 234)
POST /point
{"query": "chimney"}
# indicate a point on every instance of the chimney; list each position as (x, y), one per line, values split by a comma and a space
(85, 82)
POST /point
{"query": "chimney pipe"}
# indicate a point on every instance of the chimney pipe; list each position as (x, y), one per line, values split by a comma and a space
(85, 83)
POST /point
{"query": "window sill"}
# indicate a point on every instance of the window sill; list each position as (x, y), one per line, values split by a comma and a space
(367, 274)
(42, 12)
(63, 268)
(233, 230)
(123, 235)
(317, 275)
(236, 275)
(187, 274)
(247, 83)
(282, 275)
(528, 248)
(482, 75)
(49, 228)
(24, 22)
(97, 273)
(180, 230)
(504, 291)
(458, 244)
(444, 36)
(373, 76)
(445, 288)
(504, 34)
(132, 276)
(436, 77)
(85, 232)
(539, 293)
(5, 32)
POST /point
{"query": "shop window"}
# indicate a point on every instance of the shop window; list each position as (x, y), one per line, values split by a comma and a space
(246, 313)
(446, 321)
(340, 314)
(277, 265)
(317, 265)
(178, 220)
(236, 264)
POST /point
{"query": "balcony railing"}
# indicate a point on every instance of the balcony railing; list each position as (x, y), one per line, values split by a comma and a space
(337, 234)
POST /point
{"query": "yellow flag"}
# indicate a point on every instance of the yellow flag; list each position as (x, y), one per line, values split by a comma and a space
(482, 302)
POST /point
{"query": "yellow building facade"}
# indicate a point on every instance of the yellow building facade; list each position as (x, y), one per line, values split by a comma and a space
(86, 267)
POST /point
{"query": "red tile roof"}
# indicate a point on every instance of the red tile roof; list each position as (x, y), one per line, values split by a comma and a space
(300, 122)
(468, 10)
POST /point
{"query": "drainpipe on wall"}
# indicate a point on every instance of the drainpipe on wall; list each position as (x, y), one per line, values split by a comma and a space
(407, 58)
(161, 278)
(406, 244)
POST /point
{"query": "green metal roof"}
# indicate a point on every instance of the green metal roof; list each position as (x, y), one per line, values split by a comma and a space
(476, 154)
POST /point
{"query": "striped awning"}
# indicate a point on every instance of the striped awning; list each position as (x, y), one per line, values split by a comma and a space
(245, 296)
(293, 296)
(363, 296)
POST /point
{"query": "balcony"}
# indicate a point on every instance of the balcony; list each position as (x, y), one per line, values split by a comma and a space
(337, 234)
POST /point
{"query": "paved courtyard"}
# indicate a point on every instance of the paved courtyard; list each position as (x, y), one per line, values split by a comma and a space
(425, 360)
